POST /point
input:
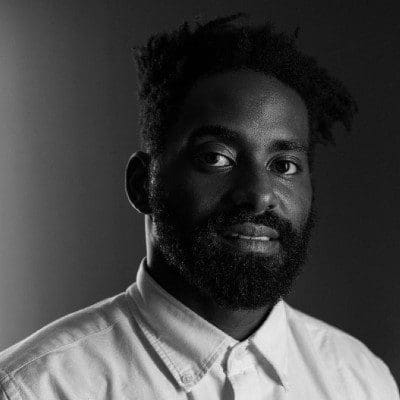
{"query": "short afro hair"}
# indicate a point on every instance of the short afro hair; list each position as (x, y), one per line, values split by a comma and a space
(170, 64)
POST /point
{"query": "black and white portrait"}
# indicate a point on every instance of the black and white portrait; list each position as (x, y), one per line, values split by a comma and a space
(199, 200)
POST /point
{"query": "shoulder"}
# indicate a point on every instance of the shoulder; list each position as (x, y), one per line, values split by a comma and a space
(74, 346)
(64, 332)
(356, 365)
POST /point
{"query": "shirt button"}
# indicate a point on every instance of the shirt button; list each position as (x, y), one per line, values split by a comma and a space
(187, 378)
(240, 352)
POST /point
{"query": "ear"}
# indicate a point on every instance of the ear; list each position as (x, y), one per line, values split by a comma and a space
(137, 175)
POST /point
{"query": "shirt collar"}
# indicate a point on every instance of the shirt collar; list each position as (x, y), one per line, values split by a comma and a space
(189, 345)
(271, 341)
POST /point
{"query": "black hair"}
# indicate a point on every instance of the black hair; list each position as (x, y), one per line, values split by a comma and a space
(170, 63)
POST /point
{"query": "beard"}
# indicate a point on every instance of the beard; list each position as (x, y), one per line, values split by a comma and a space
(232, 278)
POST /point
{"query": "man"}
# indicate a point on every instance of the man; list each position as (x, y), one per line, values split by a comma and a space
(231, 116)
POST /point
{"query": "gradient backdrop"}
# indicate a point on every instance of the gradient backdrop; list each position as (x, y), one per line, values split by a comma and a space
(68, 123)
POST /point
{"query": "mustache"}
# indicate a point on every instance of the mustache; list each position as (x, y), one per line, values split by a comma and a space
(221, 220)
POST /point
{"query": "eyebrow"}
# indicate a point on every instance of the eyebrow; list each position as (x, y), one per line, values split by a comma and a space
(232, 136)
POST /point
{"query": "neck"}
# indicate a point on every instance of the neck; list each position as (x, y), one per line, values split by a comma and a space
(238, 324)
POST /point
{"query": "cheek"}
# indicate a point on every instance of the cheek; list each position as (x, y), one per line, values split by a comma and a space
(297, 201)
(193, 195)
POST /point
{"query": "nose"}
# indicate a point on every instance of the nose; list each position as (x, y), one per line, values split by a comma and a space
(254, 190)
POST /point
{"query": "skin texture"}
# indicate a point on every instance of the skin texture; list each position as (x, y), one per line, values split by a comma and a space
(260, 167)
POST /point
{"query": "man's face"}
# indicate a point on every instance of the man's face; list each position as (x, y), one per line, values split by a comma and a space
(231, 195)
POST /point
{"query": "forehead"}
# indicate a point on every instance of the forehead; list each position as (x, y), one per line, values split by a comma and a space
(246, 102)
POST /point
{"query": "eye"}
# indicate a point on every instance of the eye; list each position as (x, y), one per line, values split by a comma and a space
(285, 167)
(214, 159)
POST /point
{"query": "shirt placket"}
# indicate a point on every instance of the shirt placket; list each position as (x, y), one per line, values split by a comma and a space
(243, 375)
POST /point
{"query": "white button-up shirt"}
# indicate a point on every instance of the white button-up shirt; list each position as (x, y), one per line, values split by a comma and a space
(144, 344)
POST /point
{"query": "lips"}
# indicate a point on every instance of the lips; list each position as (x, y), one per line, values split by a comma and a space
(251, 231)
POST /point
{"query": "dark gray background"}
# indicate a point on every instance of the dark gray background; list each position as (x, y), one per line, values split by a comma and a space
(68, 117)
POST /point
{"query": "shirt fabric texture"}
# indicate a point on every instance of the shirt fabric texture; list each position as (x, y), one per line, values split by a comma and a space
(145, 344)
